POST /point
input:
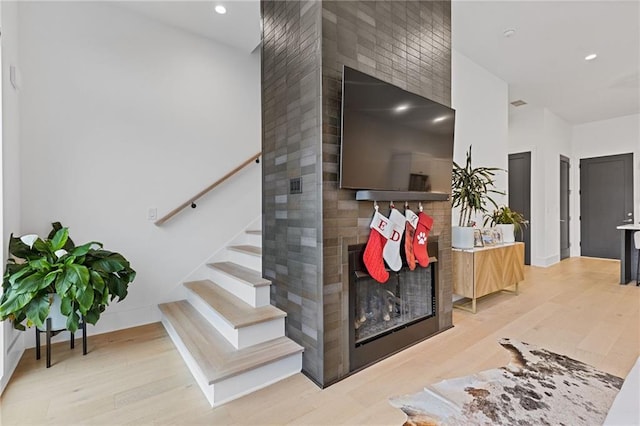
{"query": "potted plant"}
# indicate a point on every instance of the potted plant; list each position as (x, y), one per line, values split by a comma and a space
(43, 274)
(509, 222)
(470, 192)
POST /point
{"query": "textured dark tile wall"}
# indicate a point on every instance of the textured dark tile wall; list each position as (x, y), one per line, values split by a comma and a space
(407, 44)
(291, 119)
(306, 235)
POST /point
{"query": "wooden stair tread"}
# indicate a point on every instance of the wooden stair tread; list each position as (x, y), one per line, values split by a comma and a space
(215, 356)
(236, 312)
(253, 250)
(247, 275)
(254, 231)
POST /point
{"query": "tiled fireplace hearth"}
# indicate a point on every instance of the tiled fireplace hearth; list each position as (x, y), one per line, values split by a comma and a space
(307, 235)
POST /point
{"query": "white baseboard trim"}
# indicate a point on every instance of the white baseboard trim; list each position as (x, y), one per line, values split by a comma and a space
(545, 262)
(11, 359)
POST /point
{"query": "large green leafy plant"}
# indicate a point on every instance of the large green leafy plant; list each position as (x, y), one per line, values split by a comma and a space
(471, 188)
(85, 277)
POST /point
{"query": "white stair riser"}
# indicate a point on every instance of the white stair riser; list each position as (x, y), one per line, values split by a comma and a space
(258, 378)
(261, 332)
(197, 374)
(253, 239)
(242, 337)
(247, 260)
(254, 296)
(242, 384)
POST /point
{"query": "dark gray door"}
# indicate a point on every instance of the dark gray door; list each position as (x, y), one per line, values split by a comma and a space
(564, 207)
(606, 201)
(520, 195)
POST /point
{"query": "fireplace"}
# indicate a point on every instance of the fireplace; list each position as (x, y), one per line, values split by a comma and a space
(386, 318)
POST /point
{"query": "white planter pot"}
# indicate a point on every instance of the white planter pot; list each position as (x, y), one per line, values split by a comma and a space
(58, 321)
(507, 232)
(462, 237)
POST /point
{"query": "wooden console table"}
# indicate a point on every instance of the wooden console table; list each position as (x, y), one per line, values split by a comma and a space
(481, 271)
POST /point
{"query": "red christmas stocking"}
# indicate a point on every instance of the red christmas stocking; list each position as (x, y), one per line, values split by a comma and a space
(420, 239)
(380, 230)
(409, 233)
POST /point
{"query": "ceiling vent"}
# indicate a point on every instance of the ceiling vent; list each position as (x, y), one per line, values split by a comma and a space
(518, 103)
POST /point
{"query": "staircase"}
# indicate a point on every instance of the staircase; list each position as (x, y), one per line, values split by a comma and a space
(229, 335)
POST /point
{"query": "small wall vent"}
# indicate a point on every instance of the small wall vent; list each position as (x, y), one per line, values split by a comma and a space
(295, 185)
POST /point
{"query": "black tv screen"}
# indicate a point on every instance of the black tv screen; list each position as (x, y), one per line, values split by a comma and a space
(393, 140)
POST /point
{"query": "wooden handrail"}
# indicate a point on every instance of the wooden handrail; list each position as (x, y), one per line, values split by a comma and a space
(192, 200)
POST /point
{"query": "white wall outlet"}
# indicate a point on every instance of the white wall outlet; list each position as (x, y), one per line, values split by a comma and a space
(152, 213)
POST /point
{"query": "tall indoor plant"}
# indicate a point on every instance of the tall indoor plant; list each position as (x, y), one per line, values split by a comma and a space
(84, 278)
(470, 192)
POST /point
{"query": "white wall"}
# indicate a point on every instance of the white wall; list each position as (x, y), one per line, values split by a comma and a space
(600, 138)
(11, 347)
(119, 114)
(544, 134)
(526, 131)
(481, 103)
(557, 142)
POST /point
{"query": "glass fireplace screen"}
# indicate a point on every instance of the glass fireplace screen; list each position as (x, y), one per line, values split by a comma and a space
(407, 297)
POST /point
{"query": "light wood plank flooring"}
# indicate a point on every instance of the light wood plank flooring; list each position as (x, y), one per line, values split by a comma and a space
(136, 376)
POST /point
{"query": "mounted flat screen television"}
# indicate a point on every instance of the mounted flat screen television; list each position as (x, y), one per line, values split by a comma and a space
(393, 140)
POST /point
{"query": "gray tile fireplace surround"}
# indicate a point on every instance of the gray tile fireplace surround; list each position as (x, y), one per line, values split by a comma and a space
(306, 235)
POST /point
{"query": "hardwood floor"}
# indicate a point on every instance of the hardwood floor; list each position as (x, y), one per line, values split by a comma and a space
(136, 376)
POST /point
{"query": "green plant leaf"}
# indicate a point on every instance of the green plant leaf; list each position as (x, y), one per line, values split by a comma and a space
(14, 304)
(19, 249)
(97, 282)
(85, 299)
(56, 226)
(73, 321)
(24, 270)
(110, 264)
(81, 272)
(38, 310)
(51, 276)
(40, 264)
(31, 283)
(92, 316)
(64, 281)
(59, 239)
(42, 248)
(84, 249)
(66, 306)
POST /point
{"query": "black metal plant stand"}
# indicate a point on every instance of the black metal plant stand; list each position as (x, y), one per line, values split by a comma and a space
(50, 333)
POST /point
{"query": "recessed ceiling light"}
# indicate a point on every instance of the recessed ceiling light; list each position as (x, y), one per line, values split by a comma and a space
(509, 32)
(220, 9)
(518, 103)
(401, 107)
(590, 57)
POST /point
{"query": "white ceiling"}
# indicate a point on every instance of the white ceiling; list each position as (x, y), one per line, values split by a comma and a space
(239, 27)
(543, 63)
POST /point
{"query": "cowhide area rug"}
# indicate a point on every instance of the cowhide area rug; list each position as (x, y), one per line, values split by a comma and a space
(538, 387)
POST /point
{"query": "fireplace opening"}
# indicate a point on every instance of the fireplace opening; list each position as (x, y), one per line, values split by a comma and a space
(386, 318)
